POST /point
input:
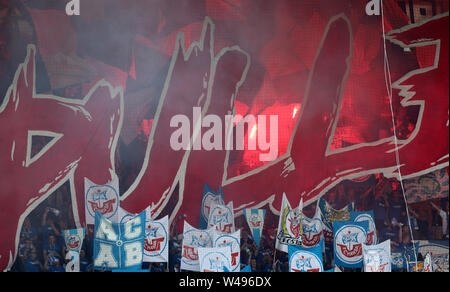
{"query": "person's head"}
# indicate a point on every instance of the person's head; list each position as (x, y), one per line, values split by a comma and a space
(253, 263)
(82, 254)
(33, 254)
(51, 239)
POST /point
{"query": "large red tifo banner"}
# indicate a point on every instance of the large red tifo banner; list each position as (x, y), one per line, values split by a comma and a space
(94, 96)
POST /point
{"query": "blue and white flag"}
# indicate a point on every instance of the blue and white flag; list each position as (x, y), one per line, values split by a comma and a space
(74, 239)
(303, 259)
(349, 238)
(221, 218)
(377, 258)
(233, 242)
(255, 221)
(193, 239)
(101, 198)
(369, 217)
(119, 246)
(329, 215)
(210, 197)
(312, 229)
(214, 259)
(156, 244)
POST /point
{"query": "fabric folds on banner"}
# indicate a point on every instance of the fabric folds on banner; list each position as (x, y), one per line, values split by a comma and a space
(210, 197)
(214, 259)
(302, 259)
(193, 239)
(119, 246)
(377, 258)
(349, 238)
(221, 218)
(370, 218)
(101, 198)
(255, 220)
(233, 242)
(289, 226)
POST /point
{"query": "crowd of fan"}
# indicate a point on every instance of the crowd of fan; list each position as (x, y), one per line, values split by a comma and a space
(42, 247)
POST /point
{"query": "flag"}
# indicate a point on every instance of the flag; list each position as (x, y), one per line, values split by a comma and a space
(438, 251)
(302, 259)
(119, 246)
(312, 229)
(255, 221)
(370, 218)
(210, 197)
(433, 185)
(329, 215)
(156, 247)
(247, 269)
(377, 258)
(192, 240)
(221, 218)
(74, 239)
(416, 267)
(233, 242)
(102, 198)
(214, 259)
(289, 226)
(349, 238)
(156, 244)
(428, 264)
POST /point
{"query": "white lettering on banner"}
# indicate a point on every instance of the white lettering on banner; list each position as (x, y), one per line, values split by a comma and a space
(73, 8)
(133, 228)
(106, 231)
(105, 257)
(133, 254)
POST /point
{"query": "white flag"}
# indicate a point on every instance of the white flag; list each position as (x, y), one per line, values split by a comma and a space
(377, 258)
(102, 198)
(289, 226)
(192, 240)
(214, 259)
(222, 218)
(156, 244)
(233, 242)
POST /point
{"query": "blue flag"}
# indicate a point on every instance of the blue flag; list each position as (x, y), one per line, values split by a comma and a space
(210, 198)
(303, 259)
(349, 238)
(119, 246)
(247, 269)
(255, 220)
(370, 218)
